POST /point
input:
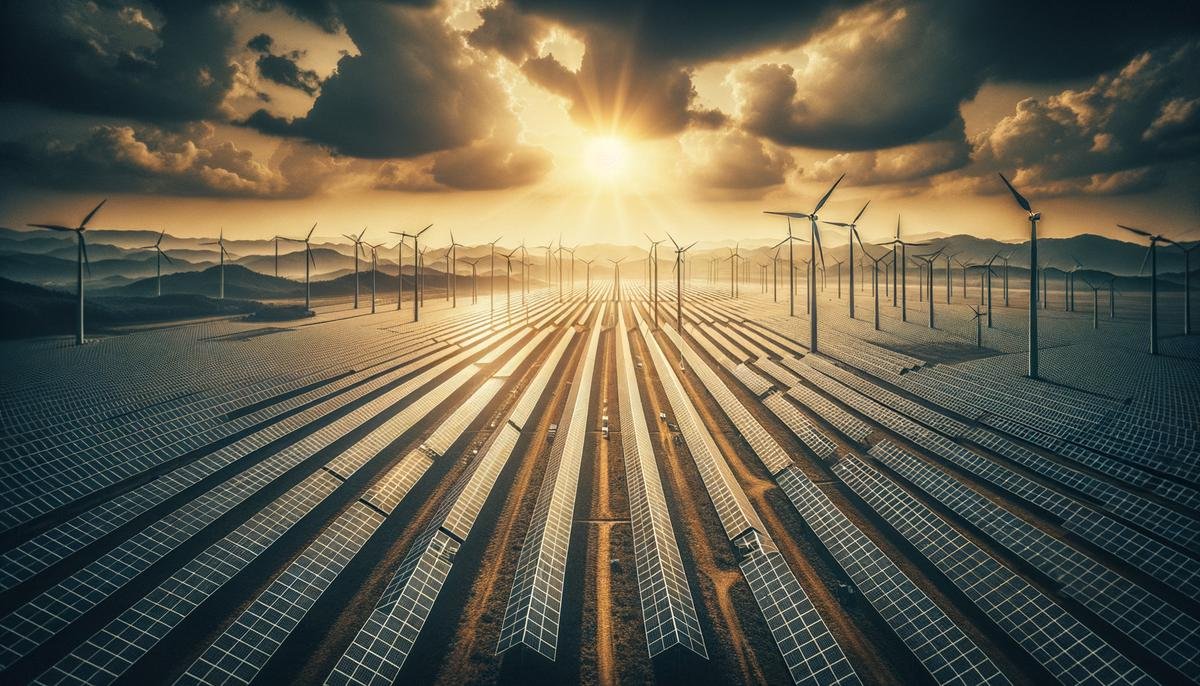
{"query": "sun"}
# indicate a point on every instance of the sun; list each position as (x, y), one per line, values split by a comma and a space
(607, 158)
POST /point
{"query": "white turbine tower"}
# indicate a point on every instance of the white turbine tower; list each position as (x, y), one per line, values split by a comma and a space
(158, 257)
(309, 261)
(929, 259)
(358, 248)
(81, 261)
(617, 278)
(587, 286)
(223, 253)
(1032, 369)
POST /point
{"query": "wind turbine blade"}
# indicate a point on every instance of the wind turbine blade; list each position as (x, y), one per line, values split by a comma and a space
(160, 236)
(166, 256)
(820, 250)
(310, 232)
(1139, 232)
(1020, 198)
(88, 218)
(672, 240)
(52, 227)
(1145, 259)
(860, 214)
(690, 246)
(793, 215)
(841, 224)
(424, 229)
(364, 232)
(825, 198)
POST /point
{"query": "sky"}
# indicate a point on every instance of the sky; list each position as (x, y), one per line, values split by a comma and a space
(599, 121)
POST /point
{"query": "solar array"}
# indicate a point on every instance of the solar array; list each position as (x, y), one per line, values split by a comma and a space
(230, 502)
(667, 608)
(535, 602)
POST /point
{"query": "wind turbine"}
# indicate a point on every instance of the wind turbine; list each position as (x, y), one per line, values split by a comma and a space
(560, 266)
(1033, 266)
(978, 317)
(308, 261)
(452, 270)
(839, 264)
(903, 262)
(587, 286)
(547, 248)
(852, 227)
(358, 248)
(158, 257)
(222, 253)
(508, 282)
(988, 270)
(492, 279)
(617, 277)
(775, 273)
(417, 255)
(928, 259)
(374, 269)
(734, 256)
(1152, 256)
(652, 255)
(1095, 303)
(81, 260)
(1187, 286)
(814, 247)
(679, 252)
(949, 277)
(1004, 259)
(276, 241)
(472, 261)
(874, 277)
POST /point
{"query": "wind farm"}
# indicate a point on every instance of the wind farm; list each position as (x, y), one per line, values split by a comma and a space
(809, 343)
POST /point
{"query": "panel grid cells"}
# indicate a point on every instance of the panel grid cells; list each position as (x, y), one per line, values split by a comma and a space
(534, 605)
(1157, 625)
(667, 608)
(240, 652)
(1051, 635)
(948, 653)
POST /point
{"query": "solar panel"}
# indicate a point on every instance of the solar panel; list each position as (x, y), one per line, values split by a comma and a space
(805, 430)
(105, 656)
(1155, 624)
(1051, 635)
(668, 612)
(240, 652)
(810, 652)
(532, 615)
(948, 653)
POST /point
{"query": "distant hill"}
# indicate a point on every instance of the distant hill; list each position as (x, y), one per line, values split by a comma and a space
(48, 270)
(28, 310)
(240, 282)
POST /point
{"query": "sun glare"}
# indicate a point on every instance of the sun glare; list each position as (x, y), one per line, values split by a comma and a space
(607, 158)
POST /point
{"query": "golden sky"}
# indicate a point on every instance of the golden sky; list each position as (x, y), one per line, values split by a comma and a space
(539, 119)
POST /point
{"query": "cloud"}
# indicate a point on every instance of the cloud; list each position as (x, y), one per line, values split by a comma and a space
(327, 14)
(283, 70)
(1101, 139)
(260, 43)
(496, 163)
(166, 62)
(734, 161)
(943, 152)
(189, 162)
(413, 89)
(878, 77)
(635, 77)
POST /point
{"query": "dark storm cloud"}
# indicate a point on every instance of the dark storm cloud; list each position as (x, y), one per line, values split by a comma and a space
(146, 159)
(283, 70)
(410, 91)
(1104, 138)
(891, 73)
(168, 63)
(260, 43)
(635, 76)
(326, 14)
